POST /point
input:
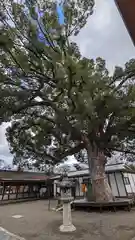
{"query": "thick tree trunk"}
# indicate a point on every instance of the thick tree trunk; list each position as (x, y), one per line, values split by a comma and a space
(101, 190)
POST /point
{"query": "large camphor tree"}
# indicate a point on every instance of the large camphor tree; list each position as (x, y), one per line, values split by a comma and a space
(58, 102)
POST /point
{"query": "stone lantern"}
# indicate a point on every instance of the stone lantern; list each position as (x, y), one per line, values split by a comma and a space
(66, 197)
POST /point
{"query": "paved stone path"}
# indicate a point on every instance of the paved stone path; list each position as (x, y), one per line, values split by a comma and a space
(5, 235)
(38, 223)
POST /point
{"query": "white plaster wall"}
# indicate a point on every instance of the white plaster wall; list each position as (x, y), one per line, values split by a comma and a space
(130, 175)
(131, 187)
(113, 184)
(128, 187)
(77, 189)
(120, 184)
(133, 176)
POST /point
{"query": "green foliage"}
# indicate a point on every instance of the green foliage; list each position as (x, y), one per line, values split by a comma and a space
(58, 101)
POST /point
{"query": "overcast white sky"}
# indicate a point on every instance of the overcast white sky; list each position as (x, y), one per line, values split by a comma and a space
(104, 35)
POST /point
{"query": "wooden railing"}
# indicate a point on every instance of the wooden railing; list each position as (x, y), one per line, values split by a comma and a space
(23, 192)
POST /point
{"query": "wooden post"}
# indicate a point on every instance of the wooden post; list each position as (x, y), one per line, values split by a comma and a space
(23, 191)
(3, 192)
(17, 190)
(49, 195)
(9, 192)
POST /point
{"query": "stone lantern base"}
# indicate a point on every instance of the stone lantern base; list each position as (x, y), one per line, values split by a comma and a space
(67, 225)
(70, 228)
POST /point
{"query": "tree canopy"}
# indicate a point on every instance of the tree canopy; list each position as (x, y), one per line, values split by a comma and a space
(56, 99)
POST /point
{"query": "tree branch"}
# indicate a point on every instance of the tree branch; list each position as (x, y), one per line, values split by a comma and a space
(72, 151)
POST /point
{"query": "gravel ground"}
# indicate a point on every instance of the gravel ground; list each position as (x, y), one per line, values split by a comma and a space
(37, 223)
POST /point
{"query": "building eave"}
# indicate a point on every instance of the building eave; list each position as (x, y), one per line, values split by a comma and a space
(127, 11)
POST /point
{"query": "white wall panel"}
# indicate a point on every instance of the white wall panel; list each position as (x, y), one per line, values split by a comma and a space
(120, 184)
(113, 184)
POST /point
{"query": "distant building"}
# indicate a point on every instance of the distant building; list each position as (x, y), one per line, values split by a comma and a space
(121, 179)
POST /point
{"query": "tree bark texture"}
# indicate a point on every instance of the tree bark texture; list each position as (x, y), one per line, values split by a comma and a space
(101, 191)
